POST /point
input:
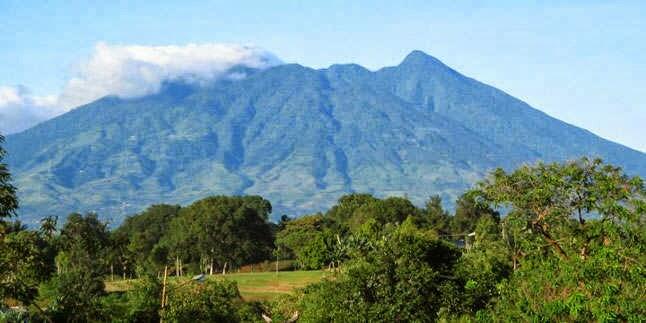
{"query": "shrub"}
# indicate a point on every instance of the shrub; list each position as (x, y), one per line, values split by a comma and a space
(212, 301)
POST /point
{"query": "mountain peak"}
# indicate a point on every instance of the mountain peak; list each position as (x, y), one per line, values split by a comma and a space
(418, 57)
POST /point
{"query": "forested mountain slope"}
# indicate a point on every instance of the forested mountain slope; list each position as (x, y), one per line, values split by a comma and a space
(299, 137)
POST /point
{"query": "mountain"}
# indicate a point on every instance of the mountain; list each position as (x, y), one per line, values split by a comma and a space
(298, 136)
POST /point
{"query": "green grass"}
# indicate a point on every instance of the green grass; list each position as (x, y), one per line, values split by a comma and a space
(267, 285)
(253, 286)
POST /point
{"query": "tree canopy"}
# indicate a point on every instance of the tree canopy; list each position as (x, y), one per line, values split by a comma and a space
(222, 231)
(544, 242)
(575, 233)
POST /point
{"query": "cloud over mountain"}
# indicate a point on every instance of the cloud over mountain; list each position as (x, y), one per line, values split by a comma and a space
(19, 109)
(133, 71)
(128, 71)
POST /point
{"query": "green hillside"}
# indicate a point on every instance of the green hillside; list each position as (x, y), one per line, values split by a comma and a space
(300, 137)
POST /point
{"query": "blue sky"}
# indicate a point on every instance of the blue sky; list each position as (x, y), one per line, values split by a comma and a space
(580, 61)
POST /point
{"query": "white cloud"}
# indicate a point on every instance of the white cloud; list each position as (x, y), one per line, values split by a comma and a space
(10, 95)
(19, 109)
(128, 71)
(133, 71)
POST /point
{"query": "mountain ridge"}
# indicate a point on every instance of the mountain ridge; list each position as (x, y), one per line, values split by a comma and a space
(299, 136)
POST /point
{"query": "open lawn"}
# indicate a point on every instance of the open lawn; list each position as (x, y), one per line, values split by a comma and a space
(266, 285)
(253, 286)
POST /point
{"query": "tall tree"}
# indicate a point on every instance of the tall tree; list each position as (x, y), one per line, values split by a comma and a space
(84, 242)
(139, 234)
(82, 261)
(224, 231)
(435, 217)
(468, 212)
(8, 199)
(20, 266)
(48, 226)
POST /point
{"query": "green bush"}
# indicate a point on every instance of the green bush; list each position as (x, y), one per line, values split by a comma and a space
(399, 279)
(76, 297)
(212, 301)
(144, 300)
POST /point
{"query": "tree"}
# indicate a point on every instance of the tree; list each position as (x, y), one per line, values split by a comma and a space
(118, 254)
(25, 264)
(76, 296)
(555, 201)
(143, 300)
(85, 241)
(317, 251)
(481, 269)
(297, 233)
(390, 210)
(224, 231)
(48, 226)
(138, 235)
(579, 241)
(8, 199)
(179, 244)
(344, 210)
(22, 264)
(435, 217)
(467, 214)
(76, 291)
(400, 279)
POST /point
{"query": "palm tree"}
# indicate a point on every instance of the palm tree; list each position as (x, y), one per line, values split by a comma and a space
(48, 225)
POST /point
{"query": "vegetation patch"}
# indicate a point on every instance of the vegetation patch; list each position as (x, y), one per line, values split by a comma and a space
(562, 242)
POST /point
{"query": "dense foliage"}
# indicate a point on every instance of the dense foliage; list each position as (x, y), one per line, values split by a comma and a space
(570, 248)
(577, 238)
(547, 242)
(211, 301)
(8, 200)
(222, 231)
(400, 277)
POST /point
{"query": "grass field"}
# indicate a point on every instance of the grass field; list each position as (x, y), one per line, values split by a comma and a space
(266, 285)
(253, 286)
